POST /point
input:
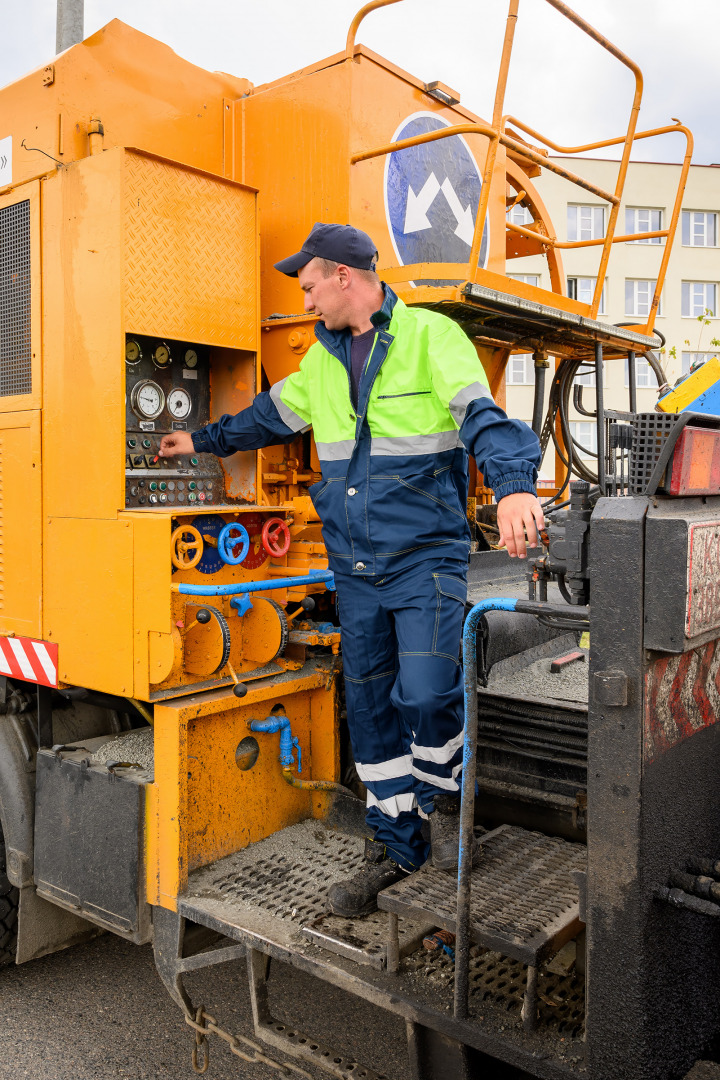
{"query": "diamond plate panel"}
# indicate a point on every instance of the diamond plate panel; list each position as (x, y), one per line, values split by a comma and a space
(190, 267)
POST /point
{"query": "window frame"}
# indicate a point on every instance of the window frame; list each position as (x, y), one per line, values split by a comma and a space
(651, 292)
(528, 370)
(706, 307)
(688, 215)
(577, 228)
(588, 277)
(629, 230)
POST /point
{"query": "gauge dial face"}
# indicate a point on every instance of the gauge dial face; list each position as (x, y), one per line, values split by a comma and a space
(161, 356)
(179, 403)
(133, 352)
(147, 399)
(191, 358)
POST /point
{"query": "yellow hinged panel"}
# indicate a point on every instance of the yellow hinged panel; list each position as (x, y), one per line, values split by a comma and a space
(20, 299)
(20, 524)
(88, 613)
(153, 637)
(84, 366)
(190, 254)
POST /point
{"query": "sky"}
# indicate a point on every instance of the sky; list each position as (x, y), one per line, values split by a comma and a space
(561, 83)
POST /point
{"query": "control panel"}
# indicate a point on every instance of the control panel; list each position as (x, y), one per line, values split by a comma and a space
(167, 388)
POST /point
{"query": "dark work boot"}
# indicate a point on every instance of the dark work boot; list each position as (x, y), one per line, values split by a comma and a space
(445, 834)
(358, 894)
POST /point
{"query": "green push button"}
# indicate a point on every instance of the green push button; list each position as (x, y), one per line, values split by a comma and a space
(153, 486)
(192, 485)
(132, 442)
(163, 485)
(192, 497)
(193, 461)
(147, 444)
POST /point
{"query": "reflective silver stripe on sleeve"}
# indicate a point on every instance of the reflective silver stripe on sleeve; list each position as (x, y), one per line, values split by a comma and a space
(459, 404)
(335, 451)
(412, 445)
(293, 421)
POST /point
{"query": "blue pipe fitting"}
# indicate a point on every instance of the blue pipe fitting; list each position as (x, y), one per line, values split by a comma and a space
(313, 577)
(272, 724)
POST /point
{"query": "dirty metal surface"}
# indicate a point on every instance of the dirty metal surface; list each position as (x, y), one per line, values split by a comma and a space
(497, 988)
(365, 940)
(524, 899)
(287, 877)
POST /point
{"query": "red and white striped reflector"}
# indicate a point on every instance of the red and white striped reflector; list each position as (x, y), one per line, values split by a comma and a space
(33, 661)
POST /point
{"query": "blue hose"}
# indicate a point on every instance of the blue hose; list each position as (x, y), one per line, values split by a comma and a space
(313, 577)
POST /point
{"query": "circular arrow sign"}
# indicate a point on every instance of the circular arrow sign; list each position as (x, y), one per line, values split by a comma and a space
(432, 193)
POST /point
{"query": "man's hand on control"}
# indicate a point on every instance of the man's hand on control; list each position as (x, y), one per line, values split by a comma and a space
(518, 515)
(179, 442)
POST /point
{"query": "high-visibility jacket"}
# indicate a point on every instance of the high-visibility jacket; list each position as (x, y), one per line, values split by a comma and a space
(394, 470)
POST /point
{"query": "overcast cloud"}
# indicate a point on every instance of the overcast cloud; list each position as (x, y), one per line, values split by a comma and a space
(561, 82)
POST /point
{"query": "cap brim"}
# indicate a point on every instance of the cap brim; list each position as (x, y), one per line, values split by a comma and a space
(293, 263)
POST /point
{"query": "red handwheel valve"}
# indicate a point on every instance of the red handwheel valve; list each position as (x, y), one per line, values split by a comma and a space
(276, 537)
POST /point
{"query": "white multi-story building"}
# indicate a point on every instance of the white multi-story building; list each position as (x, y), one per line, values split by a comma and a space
(689, 316)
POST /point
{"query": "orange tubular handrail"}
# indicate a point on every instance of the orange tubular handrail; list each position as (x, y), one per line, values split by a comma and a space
(355, 24)
(496, 133)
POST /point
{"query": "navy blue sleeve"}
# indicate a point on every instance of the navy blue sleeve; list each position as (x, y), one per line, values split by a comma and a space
(507, 451)
(257, 426)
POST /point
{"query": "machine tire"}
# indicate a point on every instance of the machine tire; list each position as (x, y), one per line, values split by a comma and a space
(9, 900)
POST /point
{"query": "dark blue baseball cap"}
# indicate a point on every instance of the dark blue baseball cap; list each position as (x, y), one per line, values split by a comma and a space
(339, 243)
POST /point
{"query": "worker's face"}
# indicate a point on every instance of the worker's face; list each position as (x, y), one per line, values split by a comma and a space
(325, 296)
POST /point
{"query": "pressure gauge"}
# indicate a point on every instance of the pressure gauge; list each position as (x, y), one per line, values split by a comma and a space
(133, 352)
(191, 358)
(147, 399)
(179, 403)
(161, 355)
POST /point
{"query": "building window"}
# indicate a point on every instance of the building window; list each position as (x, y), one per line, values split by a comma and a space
(520, 215)
(644, 375)
(586, 222)
(584, 434)
(529, 279)
(638, 297)
(699, 229)
(583, 289)
(642, 219)
(520, 370)
(585, 375)
(698, 299)
(694, 359)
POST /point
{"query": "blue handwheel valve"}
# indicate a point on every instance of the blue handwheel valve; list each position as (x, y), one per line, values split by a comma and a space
(227, 543)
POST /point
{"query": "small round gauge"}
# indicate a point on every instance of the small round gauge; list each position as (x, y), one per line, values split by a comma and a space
(179, 403)
(161, 355)
(191, 358)
(133, 352)
(147, 399)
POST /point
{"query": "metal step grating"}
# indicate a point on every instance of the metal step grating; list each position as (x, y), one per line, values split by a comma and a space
(525, 901)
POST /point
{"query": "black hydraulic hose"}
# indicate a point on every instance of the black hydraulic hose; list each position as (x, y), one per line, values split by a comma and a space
(538, 399)
(564, 591)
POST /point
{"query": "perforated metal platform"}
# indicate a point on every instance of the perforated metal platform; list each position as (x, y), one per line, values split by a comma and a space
(282, 882)
(525, 902)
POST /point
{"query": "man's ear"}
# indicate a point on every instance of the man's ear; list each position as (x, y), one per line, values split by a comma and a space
(344, 275)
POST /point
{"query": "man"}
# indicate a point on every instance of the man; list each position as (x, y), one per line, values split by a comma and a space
(396, 398)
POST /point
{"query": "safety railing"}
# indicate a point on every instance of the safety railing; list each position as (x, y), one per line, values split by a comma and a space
(497, 135)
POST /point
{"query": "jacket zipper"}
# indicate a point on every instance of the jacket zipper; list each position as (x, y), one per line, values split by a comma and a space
(410, 393)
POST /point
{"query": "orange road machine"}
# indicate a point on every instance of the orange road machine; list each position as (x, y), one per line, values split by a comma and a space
(171, 749)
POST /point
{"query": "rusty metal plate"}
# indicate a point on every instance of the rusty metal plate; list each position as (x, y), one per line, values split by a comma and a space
(703, 569)
(365, 940)
(524, 904)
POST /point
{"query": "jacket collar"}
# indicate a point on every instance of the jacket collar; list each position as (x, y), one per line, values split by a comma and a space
(337, 341)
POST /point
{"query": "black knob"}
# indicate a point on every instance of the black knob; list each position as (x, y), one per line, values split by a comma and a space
(203, 615)
(308, 604)
(240, 689)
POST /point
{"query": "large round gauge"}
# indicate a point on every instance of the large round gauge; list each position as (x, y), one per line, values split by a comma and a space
(133, 352)
(191, 358)
(147, 399)
(179, 403)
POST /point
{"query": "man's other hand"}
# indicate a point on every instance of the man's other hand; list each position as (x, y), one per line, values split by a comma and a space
(179, 442)
(518, 515)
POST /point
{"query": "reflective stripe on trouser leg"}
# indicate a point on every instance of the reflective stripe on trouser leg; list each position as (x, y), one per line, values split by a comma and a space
(401, 640)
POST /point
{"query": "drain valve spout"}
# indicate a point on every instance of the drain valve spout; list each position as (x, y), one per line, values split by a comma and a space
(288, 742)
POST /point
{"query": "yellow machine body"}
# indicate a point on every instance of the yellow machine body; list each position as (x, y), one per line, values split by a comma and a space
(156, 197)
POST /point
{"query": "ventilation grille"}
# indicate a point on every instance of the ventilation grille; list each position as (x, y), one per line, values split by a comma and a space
(15, 346)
